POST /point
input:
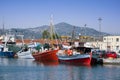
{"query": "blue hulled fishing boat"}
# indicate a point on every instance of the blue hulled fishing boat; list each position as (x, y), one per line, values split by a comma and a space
(4, 49)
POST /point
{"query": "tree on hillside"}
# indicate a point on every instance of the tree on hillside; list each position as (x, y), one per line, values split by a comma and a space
(45, 34)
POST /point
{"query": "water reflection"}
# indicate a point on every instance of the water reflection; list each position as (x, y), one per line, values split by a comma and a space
(28, 69)
(46, 63)
(18, 62)
(74, 64)
(112, 65)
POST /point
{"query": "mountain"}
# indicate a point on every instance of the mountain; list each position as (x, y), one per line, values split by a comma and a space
(67, 29)
(61, 28)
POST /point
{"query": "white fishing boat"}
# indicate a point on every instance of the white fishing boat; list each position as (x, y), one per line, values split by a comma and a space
(25, 53)
(27, 50)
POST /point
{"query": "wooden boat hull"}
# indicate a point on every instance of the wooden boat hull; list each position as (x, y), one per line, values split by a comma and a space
(46, 56)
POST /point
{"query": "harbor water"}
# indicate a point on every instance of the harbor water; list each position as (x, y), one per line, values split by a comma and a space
(28, 69)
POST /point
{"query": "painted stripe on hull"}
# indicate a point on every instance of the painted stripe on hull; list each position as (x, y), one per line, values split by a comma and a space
(84, 61)
(73, 57)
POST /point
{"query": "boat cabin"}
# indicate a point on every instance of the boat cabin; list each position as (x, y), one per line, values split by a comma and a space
(83, 50)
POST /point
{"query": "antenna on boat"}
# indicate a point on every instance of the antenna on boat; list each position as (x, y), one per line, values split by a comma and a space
(73, 33)
(51, 27)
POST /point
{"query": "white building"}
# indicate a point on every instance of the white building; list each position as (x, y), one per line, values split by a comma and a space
(109, 43)
(113, 42)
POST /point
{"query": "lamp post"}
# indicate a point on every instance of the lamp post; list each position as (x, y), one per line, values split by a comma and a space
(85, 29)
(100, 19)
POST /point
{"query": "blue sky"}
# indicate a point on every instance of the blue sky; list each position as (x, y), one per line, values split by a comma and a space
(34, 13)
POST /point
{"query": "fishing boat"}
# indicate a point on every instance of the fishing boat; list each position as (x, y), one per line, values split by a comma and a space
(6, 40)
(4, 49)
(111, 57)
(27, 50)
(81, 56)
(46, 56)
(8, 54)
(50, 53)
(25, 54)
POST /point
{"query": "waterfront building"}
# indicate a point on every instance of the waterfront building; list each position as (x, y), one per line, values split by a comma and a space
(85, 38)
(109, 43)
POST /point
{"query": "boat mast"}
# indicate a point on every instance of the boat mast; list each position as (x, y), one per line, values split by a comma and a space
(52, 31)
(73, 34)
(5, 37)
(22, 39)
(51, 28)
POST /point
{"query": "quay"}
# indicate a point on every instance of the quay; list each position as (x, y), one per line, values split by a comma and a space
(111, 61)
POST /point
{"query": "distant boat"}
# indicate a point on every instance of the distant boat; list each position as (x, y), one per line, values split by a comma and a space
(78, 58)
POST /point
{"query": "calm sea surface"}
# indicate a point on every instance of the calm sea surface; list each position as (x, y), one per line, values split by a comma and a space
(28, 69)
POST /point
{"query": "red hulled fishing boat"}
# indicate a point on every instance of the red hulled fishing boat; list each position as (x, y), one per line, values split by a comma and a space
(78, 57)
(49, 55)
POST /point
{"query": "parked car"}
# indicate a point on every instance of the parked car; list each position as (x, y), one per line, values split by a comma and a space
(111, 55)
